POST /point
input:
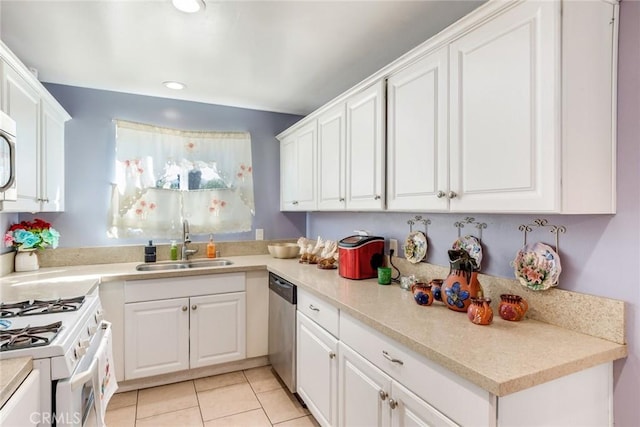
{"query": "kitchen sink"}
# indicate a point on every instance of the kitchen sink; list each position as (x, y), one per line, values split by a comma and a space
(181, 265)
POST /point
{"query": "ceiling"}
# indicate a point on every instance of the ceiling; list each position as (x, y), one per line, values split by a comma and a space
(284, 56)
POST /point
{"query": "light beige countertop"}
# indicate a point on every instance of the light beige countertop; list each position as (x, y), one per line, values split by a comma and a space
(12, 373)
(502, 358)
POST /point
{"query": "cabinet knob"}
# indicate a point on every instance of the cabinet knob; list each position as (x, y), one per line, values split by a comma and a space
(392, 359)
(452, 195)
(393, 404)
(313, 307)
(295, 202)
(341, 199)
(185, 308)
(383, 395)
(377, 197)
(332, 355)
(440, 194)
(194, 307)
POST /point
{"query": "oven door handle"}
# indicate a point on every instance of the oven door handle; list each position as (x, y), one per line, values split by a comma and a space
(81, 378)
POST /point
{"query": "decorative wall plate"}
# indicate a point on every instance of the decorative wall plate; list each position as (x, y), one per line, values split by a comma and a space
(537, 266)
(471, 245)
(415, 247)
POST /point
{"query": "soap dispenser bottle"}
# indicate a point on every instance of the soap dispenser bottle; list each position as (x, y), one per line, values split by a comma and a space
(150, 252)
(174, 251)
(211, 247)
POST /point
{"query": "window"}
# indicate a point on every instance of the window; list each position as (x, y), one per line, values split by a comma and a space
(164, 176)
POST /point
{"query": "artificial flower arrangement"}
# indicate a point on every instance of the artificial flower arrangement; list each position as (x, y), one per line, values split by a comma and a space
(36, 234)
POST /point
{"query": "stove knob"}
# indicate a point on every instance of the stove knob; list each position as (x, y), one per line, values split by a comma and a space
(80, 351)
(92, 329)
(99, 316)
(84, 343)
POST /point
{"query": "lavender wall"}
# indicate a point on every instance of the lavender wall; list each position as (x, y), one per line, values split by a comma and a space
(600, 253)
(90, 154)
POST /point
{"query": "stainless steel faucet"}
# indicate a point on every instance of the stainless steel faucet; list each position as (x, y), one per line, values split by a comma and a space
(186, 240)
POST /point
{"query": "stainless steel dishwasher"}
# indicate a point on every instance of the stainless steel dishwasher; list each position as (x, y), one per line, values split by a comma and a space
(283, 297)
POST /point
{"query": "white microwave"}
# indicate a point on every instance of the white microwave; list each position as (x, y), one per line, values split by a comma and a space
(8, 190)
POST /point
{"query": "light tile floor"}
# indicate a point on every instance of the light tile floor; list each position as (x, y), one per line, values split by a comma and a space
(250, 398)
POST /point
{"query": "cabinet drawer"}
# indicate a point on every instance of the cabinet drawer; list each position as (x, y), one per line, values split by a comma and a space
(183, 287)
(319, 311)
(439, 387)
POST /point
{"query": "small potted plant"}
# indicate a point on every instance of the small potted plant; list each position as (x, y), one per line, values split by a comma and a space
(26, 237)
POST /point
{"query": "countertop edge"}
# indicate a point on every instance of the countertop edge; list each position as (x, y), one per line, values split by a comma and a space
(12, 373)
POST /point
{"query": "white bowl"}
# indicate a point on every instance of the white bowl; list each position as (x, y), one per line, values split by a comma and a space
(284, 250)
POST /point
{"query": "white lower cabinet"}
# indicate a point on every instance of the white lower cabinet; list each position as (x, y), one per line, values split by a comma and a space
(317, 370)
(23, 407)
(368, 397)
(192, 330)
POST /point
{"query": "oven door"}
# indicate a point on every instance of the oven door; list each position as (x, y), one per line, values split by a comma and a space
(81, 400)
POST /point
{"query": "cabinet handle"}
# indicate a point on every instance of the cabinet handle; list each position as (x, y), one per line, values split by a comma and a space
(341, 199)
(377, 197)
(383, 395)
(440, 194)
(295, 202)
(314, 308)
(46, 200)
(392, 359)
(185, 308)
(332, 355)
(452, 195)
(393, 404)
(194, 307)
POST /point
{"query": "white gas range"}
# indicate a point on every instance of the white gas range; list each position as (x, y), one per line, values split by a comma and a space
(70, 343)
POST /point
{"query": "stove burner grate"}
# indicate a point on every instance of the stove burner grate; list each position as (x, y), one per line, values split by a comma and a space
(12, 309)
(31, 308)
(14, 339)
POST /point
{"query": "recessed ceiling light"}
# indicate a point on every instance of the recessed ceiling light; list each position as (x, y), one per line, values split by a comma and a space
(189, 6)
(175, 85)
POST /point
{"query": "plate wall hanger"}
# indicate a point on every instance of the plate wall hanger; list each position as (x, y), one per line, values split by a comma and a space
(542, 223)
(472, 221)
(418, 219)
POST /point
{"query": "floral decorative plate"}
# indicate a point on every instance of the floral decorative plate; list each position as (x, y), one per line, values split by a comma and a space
(471, 245)
(537, 266)
(415, 247)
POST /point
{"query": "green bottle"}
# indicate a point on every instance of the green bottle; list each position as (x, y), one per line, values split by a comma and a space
(174, 250)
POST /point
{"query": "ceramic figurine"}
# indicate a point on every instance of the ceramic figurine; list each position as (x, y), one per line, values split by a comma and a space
(436, 289)
(462, 282)
(480, 312)
(512, 307)
(422, 293)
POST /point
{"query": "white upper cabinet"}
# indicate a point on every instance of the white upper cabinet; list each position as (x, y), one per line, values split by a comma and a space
(40, 122)
(504, 124)
(512, 109)
(298, 170)
(417, 143)
(331, 159)
(365, 149)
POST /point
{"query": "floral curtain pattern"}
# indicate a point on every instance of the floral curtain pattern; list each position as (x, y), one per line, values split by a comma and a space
(164, 176)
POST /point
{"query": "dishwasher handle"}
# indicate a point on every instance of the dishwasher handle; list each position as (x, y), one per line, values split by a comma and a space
(283, 288)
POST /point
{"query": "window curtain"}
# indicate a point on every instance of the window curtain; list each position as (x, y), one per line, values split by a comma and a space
(164, 176)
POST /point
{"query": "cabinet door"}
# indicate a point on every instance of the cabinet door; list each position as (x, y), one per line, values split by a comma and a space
(156, 337)
(331, 159)
(505, 153)
(365, 149)
(288, 174)
(218, 329)
(298, 170)
(306, 171)
(22, 103)
(317, 370)
(23, 406)
(363, 391)
(52, 178)
(409, 410)
(417, 135)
